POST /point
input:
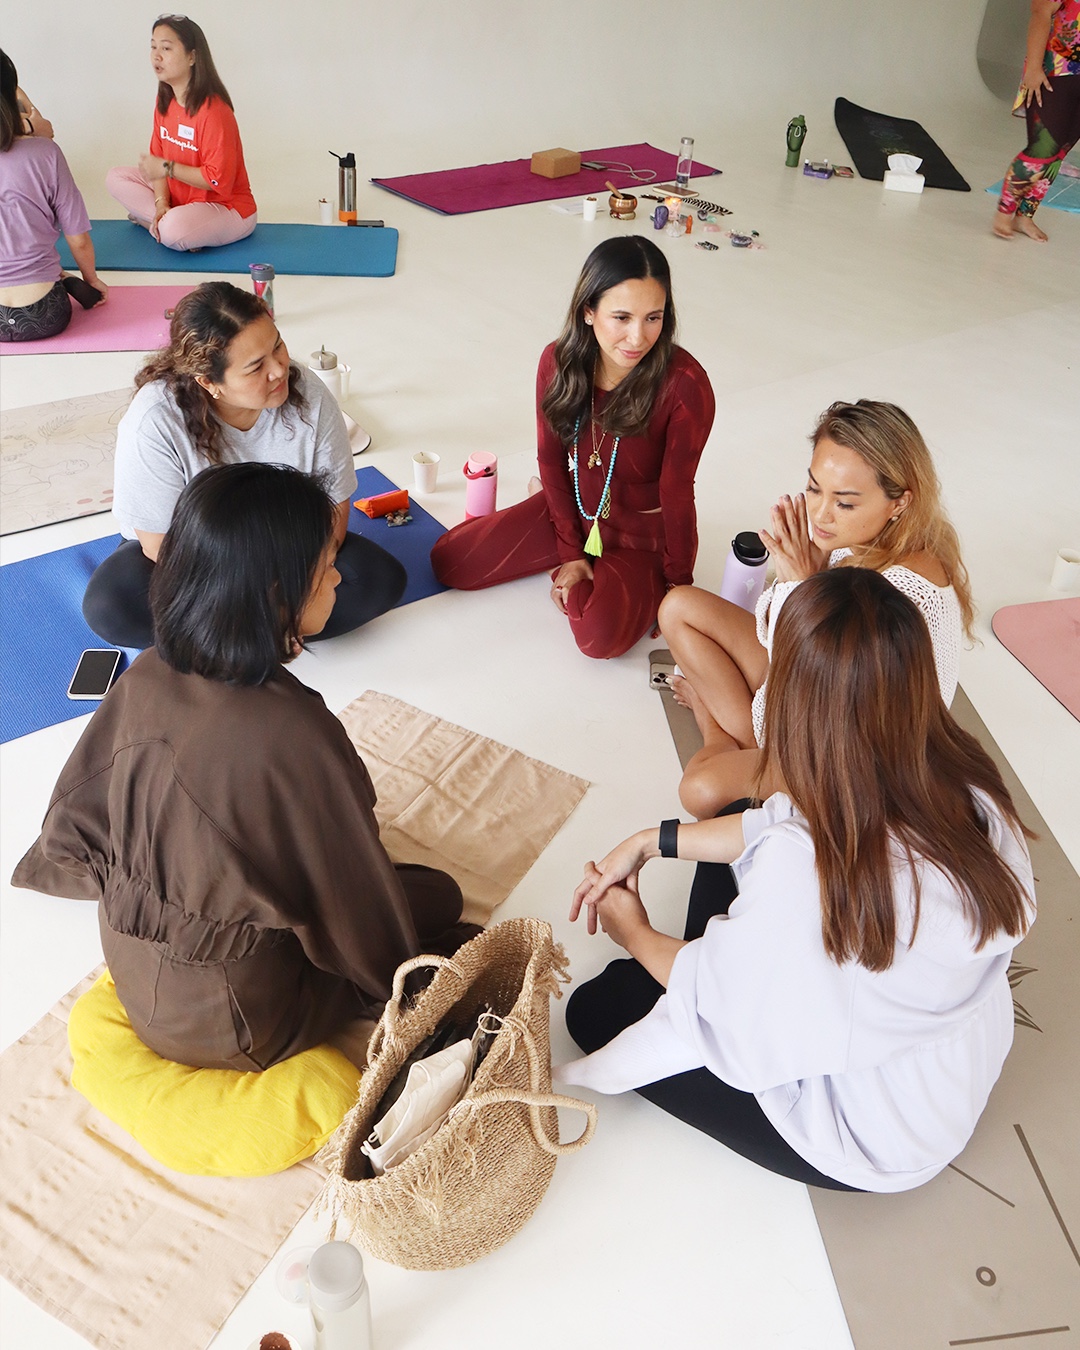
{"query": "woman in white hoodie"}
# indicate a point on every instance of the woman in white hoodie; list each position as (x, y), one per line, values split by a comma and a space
(839, 1007)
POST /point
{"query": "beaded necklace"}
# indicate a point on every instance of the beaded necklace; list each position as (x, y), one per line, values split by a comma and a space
(593, 545)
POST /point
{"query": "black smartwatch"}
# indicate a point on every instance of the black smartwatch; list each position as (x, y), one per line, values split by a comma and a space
(669, 839)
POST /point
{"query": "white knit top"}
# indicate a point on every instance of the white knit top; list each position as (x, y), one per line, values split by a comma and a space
(938, 605)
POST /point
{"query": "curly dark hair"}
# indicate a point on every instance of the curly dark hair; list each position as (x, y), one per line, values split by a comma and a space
(204, 324)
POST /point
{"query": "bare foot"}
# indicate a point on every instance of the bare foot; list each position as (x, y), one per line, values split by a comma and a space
(1004, 224)
(682, 689)
(1025, 225)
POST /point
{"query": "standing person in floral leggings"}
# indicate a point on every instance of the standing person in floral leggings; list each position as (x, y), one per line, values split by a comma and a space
(1050, 92)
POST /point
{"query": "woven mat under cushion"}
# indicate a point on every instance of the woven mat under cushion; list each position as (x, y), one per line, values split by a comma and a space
(127, 1253)
(452, 799)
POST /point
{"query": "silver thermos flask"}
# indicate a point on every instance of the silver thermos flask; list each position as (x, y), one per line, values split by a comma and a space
(346, 184)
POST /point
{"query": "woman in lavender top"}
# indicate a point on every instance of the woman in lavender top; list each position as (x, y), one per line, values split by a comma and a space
(38, 202)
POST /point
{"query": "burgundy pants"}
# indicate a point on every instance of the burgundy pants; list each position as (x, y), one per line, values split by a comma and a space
(608, 614)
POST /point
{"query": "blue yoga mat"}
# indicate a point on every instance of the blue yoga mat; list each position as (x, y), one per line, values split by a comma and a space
(44, 630)
(294, 250)
(1063, 194)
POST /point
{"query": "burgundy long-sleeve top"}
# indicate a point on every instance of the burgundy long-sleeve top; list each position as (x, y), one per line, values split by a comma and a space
(654, 470)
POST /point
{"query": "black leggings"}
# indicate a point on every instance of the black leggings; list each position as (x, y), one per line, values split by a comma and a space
(45, 318)
(50, 315)
(625, 992)
(116, 605)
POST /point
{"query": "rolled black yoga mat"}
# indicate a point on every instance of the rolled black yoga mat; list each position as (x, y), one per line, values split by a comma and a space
(872, 137)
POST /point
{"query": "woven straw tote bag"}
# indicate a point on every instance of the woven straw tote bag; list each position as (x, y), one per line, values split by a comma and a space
(479, 1178)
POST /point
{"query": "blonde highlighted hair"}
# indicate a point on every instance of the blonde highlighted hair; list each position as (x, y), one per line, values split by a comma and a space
(892, 445)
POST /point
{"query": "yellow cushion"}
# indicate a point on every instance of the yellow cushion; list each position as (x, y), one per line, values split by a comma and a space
(209, 1122)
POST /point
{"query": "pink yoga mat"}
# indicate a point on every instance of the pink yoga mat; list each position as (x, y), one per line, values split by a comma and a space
(131, 320)
(1045, 637)
(455, 192)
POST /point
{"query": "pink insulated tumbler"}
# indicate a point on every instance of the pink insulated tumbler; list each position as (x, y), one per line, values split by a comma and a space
(482, 471)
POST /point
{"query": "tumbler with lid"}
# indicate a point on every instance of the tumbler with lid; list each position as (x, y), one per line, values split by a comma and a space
(340, 1300)
(744, 571)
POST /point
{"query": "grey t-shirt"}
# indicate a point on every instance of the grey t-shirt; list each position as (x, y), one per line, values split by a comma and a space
(155, 457)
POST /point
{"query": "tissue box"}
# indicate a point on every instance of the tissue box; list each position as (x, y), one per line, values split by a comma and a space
(896, 181)
(555, 163)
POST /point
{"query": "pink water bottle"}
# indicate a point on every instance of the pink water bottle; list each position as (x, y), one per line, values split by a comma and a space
(744, 571)
(482, 472)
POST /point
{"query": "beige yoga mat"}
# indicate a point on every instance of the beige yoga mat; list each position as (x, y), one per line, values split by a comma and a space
(56, 459)
(110, 1242)
(988, 1253)
(135, 1257)
(452, 799)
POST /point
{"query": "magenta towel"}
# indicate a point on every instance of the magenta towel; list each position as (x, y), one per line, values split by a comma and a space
(131, 320)
(455, 192)
(1044, 636)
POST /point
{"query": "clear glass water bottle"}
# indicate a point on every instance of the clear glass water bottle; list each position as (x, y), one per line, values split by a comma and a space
(685, 166)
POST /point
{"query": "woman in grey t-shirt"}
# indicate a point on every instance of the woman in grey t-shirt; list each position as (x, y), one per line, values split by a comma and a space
(224, 392)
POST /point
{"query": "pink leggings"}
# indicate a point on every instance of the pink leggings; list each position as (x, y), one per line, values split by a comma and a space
(197, 225)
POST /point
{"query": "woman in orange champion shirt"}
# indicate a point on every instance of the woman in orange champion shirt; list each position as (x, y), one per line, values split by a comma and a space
(191, 190)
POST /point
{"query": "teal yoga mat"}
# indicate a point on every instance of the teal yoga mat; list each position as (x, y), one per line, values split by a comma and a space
(294, 250)
(44, 630)
(1063, 194)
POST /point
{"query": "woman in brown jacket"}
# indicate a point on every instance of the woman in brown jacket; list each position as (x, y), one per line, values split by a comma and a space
(218, 810)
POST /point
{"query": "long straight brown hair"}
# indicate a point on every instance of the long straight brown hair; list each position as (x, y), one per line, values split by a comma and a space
(629, 406)
(205, 82)
(856, 728)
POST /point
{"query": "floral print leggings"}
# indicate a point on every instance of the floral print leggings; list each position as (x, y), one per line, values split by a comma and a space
(1053, 130)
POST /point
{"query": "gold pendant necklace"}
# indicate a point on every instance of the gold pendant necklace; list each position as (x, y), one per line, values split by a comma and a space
(595, 462)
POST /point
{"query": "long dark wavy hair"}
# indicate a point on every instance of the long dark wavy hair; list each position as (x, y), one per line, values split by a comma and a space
(204, 324)
(856, 728)
(12, 124)
(236, 570)
(205, 82)
(630, 405)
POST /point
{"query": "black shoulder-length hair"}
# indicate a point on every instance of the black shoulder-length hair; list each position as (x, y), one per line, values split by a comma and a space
(236, 569)
(629, 407)
(205, 82)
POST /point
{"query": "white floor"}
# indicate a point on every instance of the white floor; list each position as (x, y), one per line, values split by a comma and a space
(654, 1236)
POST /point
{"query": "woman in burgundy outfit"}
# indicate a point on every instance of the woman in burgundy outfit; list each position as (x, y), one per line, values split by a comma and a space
(623, 415)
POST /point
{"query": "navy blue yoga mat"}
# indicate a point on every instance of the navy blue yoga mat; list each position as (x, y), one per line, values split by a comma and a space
(410, 544)
(294, 250)
(44, 631)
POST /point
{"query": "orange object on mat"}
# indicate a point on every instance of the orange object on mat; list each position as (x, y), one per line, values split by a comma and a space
(1045, 637)
(384, 503)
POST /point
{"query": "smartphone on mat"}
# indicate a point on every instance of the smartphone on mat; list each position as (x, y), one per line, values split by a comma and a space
(97, 668)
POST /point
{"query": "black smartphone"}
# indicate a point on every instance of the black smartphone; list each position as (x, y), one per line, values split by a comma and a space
(97, 668)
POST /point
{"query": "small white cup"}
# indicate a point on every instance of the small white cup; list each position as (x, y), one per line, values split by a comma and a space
(425, 467)
(1066, 574)
(326, 213)
(588, 208)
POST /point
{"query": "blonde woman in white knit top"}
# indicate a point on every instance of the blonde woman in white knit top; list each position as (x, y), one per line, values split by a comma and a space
(872, 499)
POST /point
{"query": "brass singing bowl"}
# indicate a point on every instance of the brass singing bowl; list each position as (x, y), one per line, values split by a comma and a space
(622, 205)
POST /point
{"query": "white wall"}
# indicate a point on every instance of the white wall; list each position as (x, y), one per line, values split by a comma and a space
(412, 85)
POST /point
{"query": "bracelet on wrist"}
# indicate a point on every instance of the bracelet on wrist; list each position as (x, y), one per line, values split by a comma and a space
(669, 839)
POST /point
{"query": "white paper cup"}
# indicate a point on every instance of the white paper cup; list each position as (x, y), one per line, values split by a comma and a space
(326, 213)
(588, 208)
(425, 467)
(1066, 574)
